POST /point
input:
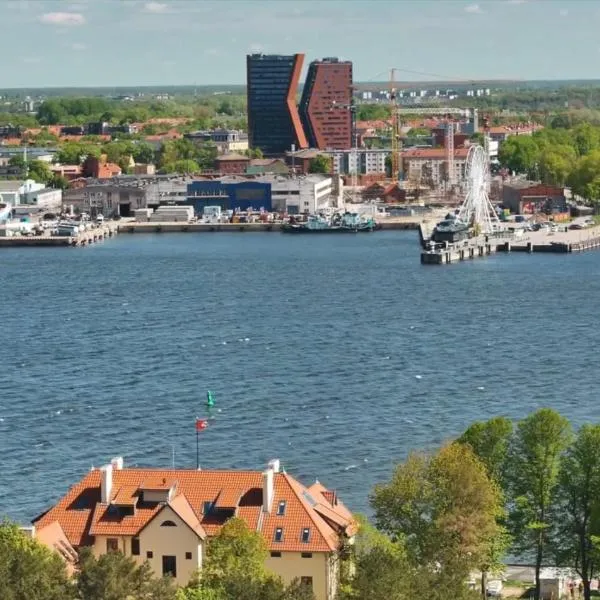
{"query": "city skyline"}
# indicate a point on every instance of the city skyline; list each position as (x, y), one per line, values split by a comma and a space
(79, 43)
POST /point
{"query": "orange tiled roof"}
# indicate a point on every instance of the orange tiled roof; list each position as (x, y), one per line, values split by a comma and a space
(82, 516)
(372, 124)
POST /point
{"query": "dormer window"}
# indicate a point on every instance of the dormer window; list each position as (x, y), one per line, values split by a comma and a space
(208, 508)
(168, 524)
(306, 535)
(278, 537)
(281, 508)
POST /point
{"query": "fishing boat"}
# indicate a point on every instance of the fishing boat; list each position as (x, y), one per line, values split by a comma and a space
(338, 223)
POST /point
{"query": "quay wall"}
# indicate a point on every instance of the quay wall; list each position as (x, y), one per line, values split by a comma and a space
(237, 227)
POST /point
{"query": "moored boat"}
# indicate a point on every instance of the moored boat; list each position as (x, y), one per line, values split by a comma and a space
(338, 223)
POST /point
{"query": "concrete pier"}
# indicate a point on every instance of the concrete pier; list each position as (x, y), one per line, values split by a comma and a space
(399, 223)
(81, 239)
(561, 243)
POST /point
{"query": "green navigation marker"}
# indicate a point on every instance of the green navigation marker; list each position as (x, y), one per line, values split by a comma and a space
(210, 401)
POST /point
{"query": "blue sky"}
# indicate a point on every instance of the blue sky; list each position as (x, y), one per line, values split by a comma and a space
(171, 42)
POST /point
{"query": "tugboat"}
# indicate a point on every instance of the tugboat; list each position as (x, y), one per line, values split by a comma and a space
(346, 223)
(451, 229)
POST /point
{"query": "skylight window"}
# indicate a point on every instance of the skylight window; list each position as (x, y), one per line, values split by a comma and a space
(281, 508)
(278, 537)
(306, 535)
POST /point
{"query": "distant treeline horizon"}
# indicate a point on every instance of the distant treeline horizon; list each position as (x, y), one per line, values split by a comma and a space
(203, 90)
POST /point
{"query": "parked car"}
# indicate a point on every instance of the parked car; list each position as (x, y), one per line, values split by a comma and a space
(575, 226)
(494, 589)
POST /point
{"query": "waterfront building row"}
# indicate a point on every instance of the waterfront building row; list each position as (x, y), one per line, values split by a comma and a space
(272, 193)
(168, 516)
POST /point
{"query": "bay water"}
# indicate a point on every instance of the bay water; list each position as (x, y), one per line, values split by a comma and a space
(337, 354)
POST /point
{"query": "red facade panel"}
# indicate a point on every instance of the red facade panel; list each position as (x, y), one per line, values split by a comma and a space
(326, 105)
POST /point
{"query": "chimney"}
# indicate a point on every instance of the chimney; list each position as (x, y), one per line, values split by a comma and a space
(117, 463)
(268, 490)
(274, 465)
(105, 483)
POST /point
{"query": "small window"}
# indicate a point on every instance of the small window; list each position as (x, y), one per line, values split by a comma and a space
(168, 524)
(307, 581)
(306, 555)
(149, 554)
(208, 507)
(135, 546)
(112, 545)
(275, 554)
(281, 508)
(306, 535)
(278, 537)
(188, 556)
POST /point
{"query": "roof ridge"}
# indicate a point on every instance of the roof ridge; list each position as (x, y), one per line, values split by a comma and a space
(317, 520)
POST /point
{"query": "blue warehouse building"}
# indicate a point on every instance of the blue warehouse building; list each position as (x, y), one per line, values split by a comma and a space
(238, 195)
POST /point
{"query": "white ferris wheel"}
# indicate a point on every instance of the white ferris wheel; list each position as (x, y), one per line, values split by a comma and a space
(477, 209)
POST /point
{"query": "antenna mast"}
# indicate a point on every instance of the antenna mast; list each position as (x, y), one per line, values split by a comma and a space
(395, 125)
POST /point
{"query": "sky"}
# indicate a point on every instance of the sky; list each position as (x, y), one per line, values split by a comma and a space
(73, 43)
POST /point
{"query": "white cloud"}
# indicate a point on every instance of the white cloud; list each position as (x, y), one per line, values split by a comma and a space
(473, 9)
(563, 12)
(62, 18)
(155, 7)
(77, 46)
(516, 1)
(32, 60)
(211, 52)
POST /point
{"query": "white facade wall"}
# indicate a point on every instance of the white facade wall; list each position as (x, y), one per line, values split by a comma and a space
(302, 194)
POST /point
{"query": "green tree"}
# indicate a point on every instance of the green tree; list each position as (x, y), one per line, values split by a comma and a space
(39, 171)
(532, 477)
(585, 177)
(234, 552)
(373, 112)
(72, 153)
(29, 570)
(114, 576)
(143, 153)
(446, 508)
(586, 138)
(59, 182)
(320, 164)
(556, 164)
(519, 153)
(490, 441)
(254, 153)
(577, 510)
(183, 166)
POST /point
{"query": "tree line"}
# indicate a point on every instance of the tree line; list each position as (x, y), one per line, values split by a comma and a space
(532, 489)
(562, 154)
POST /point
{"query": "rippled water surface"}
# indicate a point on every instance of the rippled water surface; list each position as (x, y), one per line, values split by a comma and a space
(337, 354)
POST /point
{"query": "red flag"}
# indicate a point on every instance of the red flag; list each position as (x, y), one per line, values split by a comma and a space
(201, 424)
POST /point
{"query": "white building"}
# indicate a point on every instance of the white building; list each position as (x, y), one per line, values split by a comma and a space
(46, 198)
(363, 161)
(296, 195)
(11, 192)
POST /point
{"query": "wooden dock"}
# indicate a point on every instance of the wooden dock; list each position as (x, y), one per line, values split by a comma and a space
(84, 238)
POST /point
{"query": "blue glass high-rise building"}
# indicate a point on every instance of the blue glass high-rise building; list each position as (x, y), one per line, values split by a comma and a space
(272, 85)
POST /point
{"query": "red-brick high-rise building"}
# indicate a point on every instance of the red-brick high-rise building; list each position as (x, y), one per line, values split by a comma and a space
(325, 106)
